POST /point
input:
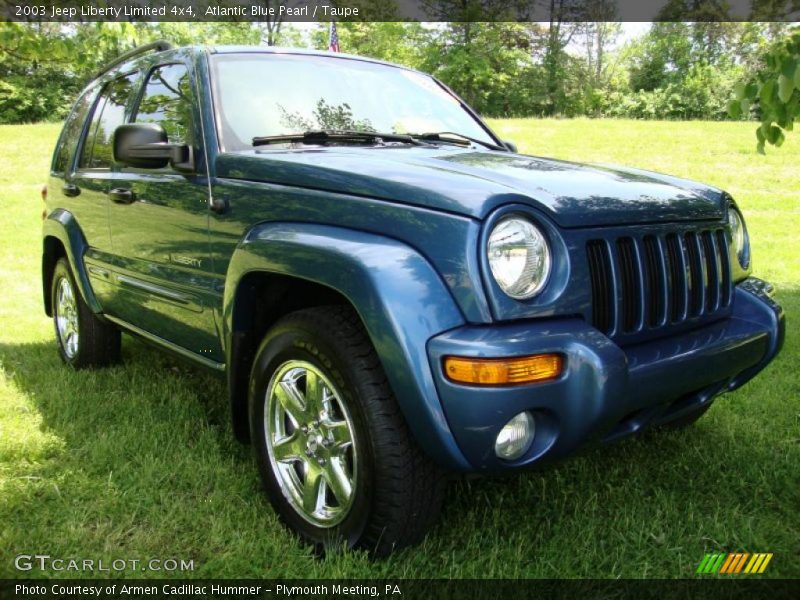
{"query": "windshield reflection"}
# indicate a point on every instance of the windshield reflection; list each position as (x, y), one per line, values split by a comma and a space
(270, 94)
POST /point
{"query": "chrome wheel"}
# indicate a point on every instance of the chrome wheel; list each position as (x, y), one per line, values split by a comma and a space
(67, 317)
(311, 443)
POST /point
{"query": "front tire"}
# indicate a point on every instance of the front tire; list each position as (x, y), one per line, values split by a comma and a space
(83, 339)
(335, 455)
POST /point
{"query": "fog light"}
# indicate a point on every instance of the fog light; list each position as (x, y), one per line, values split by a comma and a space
(516, 437)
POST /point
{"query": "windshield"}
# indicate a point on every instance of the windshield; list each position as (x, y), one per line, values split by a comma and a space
(260, 95)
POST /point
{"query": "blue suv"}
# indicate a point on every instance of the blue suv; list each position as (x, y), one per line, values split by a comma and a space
(392, 292)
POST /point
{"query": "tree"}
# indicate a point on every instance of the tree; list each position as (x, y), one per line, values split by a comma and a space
(598, 35)
(563, 25)
(270, 26)
(775, 90)
(695, 11)
(325, 117)
(397, 42)
(688, 70)
(43, 66)
(464, 51)
(660, 57)
(774, 10)
(488, 65)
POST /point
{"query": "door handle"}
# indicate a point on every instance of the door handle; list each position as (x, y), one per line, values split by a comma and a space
(122, 196)
(71, 190)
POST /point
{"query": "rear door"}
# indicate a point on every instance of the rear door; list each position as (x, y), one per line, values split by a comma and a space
(159, 226)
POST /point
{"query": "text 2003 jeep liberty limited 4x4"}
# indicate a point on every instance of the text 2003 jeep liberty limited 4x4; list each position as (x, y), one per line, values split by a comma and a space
(392, 292)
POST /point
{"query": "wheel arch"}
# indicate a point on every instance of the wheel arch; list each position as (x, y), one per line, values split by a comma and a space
(260, 299)
(62, 237)
(52, 250)
(399, 297)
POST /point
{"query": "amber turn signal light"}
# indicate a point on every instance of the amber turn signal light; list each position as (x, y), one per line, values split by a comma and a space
(503, 371)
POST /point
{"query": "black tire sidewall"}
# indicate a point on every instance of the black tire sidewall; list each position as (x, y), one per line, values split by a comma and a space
(296, 341)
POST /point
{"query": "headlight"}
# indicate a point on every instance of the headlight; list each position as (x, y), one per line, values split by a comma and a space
(739, 238)
(519, 257)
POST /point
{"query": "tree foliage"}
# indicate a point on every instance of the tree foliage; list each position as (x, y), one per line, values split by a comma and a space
(565, 67)
(338, 117)
(43, 66)
(774, 91)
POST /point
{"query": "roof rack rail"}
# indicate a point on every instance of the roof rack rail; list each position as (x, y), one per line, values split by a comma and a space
(157, 46)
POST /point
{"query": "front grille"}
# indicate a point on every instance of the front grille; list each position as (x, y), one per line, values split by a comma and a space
(652, 282)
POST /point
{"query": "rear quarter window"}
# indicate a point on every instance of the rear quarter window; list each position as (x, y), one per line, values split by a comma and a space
(71, 133)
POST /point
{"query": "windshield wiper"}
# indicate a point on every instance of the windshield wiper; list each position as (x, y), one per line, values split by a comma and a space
(323, 136)
(451, 137)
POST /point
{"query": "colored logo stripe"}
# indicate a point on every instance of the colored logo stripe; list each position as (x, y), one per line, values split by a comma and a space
(734, 562)
(728, 562)
(758, 563)
(711, 563)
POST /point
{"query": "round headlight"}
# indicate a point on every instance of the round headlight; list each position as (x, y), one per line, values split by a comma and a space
(519, 257)
(739, 237)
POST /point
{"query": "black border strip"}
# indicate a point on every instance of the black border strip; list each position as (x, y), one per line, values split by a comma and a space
(732, 587)
(76, 11)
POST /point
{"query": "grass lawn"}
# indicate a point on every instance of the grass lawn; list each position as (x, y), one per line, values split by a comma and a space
(139, 462)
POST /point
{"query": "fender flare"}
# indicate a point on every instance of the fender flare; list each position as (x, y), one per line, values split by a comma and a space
(63, 226)
(399, 296)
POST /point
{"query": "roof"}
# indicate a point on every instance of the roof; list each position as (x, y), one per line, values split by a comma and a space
(301, 51)
(156, 49)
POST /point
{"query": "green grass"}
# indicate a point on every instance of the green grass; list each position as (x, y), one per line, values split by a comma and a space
(138, 461)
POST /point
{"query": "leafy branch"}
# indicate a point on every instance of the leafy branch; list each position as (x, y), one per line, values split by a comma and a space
(775, 90)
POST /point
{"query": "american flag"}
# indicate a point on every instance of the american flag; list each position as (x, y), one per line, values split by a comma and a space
(333, 38)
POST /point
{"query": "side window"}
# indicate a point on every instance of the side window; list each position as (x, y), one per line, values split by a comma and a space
(167, 101)
(109, 113)
(71, 134)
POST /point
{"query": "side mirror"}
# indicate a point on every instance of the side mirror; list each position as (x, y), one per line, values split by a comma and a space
(512, 147)
(145, 145)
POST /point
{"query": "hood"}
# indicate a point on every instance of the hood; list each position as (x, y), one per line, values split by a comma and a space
(473, 183)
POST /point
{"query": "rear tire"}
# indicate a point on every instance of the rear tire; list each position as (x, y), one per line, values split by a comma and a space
(83, 339)
(336, 457)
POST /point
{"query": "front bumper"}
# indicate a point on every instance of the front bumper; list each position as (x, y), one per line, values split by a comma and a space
(606, 392)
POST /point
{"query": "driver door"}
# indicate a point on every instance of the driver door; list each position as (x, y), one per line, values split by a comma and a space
(159, 228)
